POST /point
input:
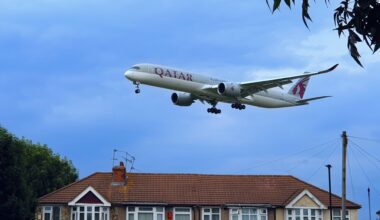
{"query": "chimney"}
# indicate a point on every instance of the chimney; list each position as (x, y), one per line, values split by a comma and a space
(118, 174)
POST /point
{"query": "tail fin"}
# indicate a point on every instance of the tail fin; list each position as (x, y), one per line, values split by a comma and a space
(299, 88)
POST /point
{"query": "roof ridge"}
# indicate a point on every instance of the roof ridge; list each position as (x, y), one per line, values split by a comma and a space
(316, 187)
(205, 174)
(69, 185)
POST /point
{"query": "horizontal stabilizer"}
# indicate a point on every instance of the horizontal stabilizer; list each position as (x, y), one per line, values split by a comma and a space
(305, 101)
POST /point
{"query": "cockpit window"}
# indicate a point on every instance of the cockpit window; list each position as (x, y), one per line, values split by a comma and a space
(135, 68)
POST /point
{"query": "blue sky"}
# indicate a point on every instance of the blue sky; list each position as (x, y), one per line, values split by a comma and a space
(62, 84)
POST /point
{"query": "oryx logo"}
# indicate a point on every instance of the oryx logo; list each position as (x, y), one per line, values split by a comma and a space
(300, 88)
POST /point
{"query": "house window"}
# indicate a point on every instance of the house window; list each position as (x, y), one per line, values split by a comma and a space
(304, 214)
(89, 212)
(182, 213)
(51, 213)
(145, 213)
(248, 214)
(337, 214)
(211, 214)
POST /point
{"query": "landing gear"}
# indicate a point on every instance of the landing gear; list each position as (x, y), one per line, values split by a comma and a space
(137, 90)
(214, 110)
(238, 106)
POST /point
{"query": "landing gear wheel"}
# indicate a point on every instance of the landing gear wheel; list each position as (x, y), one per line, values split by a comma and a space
(214, 110)
(137, 90)
(238, 106)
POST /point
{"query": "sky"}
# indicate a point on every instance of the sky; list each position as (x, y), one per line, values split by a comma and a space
(62, 84)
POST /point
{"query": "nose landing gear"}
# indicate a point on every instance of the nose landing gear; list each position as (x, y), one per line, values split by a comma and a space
(238, 106)
(137, 90)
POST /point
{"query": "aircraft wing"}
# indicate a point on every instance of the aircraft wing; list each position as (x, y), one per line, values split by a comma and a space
(262, 85)
(251, 87)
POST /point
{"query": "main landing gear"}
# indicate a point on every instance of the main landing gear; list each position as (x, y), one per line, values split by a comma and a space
(137, 90)
(238, 106)
(213, 109)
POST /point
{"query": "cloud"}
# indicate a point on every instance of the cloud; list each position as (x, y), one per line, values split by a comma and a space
(324, 48)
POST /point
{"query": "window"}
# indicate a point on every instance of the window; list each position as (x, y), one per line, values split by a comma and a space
(89, 212)
(135, 68)
(182, 213)
(211, 214)
(145, 213)
(304, 214)
(337, 214)
(51, 213)
(248, 214)
(47, 213)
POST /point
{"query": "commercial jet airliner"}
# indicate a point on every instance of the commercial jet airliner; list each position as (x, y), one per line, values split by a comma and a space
(261, 93)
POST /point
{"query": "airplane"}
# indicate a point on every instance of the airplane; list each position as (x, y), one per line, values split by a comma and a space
(260, 93)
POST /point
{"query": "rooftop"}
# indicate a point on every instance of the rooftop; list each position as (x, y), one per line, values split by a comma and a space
(194, 189)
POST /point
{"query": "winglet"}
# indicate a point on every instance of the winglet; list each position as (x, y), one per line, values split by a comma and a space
(329, 69)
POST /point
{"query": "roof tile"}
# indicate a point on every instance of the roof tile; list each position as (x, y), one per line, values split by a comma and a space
(194, 189)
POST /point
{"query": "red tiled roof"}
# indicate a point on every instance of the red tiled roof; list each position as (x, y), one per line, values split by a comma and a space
(194, 189)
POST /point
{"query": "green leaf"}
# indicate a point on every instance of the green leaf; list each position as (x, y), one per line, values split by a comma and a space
(305, 12)
(287, 2)
(276, 5)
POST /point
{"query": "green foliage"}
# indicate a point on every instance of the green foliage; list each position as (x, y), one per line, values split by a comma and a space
(360, 18)
(28, 171)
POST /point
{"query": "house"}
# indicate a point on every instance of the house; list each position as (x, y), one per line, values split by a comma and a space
(146, 196)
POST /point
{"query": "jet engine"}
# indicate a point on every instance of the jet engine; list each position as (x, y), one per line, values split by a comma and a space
(229, 89)
(182, 99)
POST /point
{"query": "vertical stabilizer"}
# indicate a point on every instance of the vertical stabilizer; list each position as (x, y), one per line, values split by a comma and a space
(299, 88)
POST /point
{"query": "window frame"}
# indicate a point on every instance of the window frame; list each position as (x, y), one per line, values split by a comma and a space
(347, 217)
(318, 215)
(211, 213)
(137, 210)
(103, 211)
(260, 212)
(51, 212)
(190, 212)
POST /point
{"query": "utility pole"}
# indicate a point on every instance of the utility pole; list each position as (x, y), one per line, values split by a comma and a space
(330, 205)
(369, 203)
(344, 157)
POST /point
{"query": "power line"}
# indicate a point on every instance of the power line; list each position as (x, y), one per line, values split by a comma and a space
(362, 149)
(323, 164)
(312, 156)
(365, 174)
(352, 183)
(366, 139)
(366, 154)
(289, 156)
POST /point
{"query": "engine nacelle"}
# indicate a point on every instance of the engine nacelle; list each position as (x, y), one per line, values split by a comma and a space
(229, 89)
(182, 99)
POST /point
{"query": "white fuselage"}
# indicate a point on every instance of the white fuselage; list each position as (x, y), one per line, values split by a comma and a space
(169, 78)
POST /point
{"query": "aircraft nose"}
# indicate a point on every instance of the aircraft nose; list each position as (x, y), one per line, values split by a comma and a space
(128, 74)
